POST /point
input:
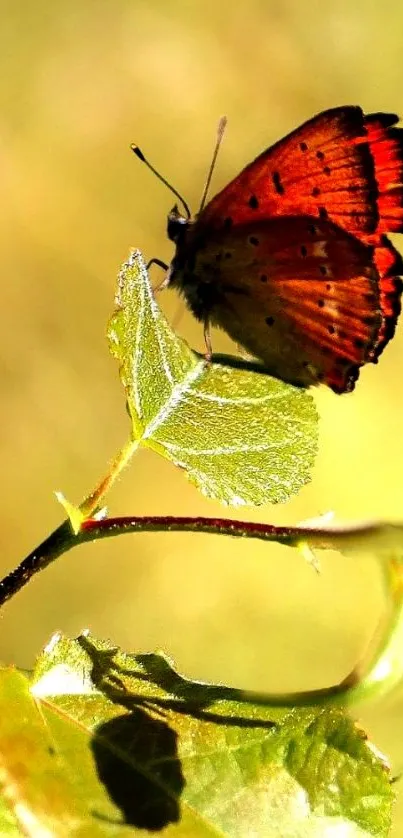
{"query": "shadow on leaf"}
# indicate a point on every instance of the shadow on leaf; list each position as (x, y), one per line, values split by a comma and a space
(179, 695)
(137, 762)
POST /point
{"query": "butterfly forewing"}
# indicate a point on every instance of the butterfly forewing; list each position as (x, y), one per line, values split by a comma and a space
(386, 147)
(322, 168)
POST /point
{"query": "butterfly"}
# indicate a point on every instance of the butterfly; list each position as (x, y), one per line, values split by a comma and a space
(292, 257)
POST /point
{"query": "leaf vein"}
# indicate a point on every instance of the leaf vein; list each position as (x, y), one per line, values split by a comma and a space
(137, 354)
(174, 399)
(156, 315)
(230, 449)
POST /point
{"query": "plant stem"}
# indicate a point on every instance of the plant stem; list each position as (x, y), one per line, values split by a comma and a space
(63, 538)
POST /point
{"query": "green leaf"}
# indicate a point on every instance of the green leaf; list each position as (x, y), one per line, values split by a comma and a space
(116, 745)
(8, 823)
(242, 436)
(40, 771)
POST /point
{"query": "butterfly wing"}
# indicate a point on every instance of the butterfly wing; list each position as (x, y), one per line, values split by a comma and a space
(386, 146)
(340, 166)
(299, 293)
(386, 149)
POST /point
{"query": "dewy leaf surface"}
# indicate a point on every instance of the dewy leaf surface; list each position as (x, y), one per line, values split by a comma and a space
(107, 744)
(242, 436)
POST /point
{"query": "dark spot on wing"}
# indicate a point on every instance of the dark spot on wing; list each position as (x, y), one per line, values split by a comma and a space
(253, 240)
(263, 278)
(269, 321)
(304, 251)
(327, 170)
(323, 269)
(303, 146)
(312, 229)
(253, 202)
(315, 191)
(320, 155)
(277, 183)
(227, 223)
(323, 213)
(369, 298)
(331, 330)
(321, 303)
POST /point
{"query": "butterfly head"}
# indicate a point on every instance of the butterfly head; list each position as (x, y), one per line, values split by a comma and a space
(177, 224)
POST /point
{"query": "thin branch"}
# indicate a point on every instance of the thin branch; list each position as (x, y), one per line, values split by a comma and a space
(63, 538)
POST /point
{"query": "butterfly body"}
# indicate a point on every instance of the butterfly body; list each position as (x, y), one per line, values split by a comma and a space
(291, 259)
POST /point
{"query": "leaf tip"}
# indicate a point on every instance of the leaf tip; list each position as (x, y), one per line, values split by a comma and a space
(73, 513)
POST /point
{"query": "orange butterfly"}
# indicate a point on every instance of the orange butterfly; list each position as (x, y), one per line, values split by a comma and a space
(292, 260)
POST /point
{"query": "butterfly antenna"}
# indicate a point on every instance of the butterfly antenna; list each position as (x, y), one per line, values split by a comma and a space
(137, 151)
(220, 133)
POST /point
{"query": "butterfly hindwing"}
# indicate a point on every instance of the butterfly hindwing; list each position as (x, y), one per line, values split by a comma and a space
(299, 293)
(389, 265)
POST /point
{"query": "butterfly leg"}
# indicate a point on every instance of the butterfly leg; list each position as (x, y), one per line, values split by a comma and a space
(207, 339)
(158, 262)
(167, 277)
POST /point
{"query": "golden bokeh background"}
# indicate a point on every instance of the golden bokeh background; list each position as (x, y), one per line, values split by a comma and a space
(79, 81)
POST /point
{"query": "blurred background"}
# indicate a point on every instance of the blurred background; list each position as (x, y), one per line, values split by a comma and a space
(80, 81)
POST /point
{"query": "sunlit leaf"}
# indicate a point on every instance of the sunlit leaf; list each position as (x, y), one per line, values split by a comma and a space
(47, 778)
(8, 823)
(110, 744)
(242, 436)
